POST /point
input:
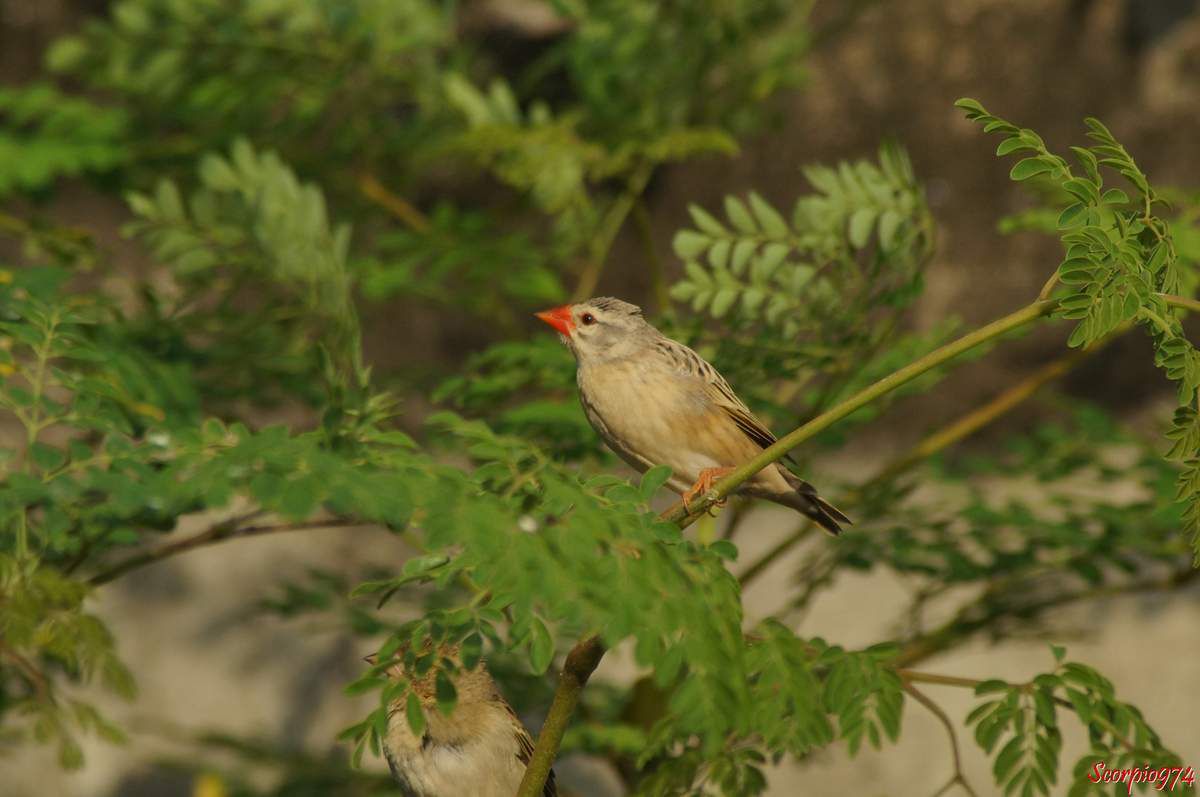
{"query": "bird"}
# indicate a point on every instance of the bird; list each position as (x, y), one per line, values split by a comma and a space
(481, 749)
(654, 401)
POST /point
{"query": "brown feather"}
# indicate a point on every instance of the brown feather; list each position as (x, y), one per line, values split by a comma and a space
(525, 753)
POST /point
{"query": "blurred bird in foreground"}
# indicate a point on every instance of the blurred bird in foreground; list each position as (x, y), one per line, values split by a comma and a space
(657, 402)
(480, 750)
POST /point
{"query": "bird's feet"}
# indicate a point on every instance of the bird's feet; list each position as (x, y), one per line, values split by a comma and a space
(703, 484)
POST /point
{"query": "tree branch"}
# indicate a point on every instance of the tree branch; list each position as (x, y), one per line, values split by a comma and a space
(580, 664)
(41, 684)
(219, 532)
(398, 206)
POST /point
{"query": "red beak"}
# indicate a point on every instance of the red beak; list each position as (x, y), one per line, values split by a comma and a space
(559, 318)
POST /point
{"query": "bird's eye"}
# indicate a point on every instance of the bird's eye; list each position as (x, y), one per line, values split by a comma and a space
(588, 318)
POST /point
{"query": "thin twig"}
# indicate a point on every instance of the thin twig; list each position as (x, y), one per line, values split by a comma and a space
(963, 624)
(658, 271)
(1048, 287)
(219, 532)
(914, 676)
(770, 557)
(397, 205)
(41, 684)
(737, 516)
(1182, 302)
(958, 777)
(606, 233)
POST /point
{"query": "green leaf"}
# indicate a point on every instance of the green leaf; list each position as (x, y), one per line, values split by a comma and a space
(722, 301)
(541, 647)
(706, 222)
(889, 224)
(688, 244)
(739, 214)
(414, 714)
(742, 251)
(47, 457)
(652, 480)
(1030, 167)
(990, 686)
(1115, 196)
(364, 685)
(471, 651)
(773, 224)
(724, 549)
(445, 693)
(860, 226)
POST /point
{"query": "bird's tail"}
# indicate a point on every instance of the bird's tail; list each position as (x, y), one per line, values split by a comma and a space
(806, 501)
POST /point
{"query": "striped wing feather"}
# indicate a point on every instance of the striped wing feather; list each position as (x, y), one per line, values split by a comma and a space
(525, 753)
(722, 395)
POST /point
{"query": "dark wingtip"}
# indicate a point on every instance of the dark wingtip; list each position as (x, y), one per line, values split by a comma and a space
(829, 516)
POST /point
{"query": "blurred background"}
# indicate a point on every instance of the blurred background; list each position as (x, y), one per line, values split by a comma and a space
(789, 87)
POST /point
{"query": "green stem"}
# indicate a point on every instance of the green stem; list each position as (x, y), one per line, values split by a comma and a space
(33, 422)
(581, 662)
(606, 234)
(1181, 302)
(1031, 312)
(658, 271)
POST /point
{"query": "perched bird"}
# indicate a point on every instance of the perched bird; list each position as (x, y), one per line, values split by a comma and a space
(657, 402)
(480, 750)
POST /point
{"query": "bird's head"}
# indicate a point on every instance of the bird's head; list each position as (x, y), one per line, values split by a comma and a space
(474, 685)
(599, 329)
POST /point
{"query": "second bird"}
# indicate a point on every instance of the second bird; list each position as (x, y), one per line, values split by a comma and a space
(657, 402)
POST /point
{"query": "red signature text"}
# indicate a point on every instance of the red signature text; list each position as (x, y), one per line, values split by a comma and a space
(1161, 778)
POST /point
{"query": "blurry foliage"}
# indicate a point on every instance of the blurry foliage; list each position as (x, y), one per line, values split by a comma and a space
(45, 135)
(48, 641)
(354, 89)
(256, 262)
(480, 188)
(800, 278)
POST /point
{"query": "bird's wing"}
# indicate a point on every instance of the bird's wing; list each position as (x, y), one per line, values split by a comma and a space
(717, 389)
(525, 753)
